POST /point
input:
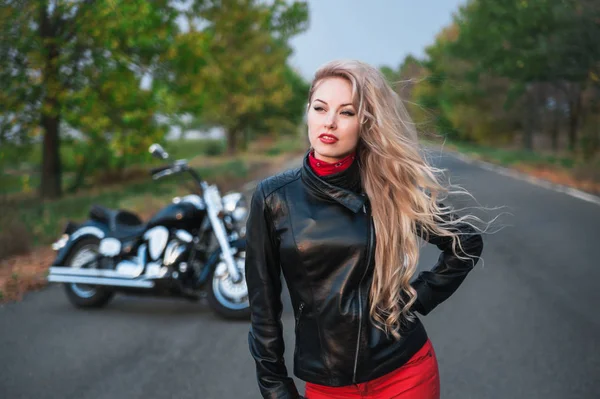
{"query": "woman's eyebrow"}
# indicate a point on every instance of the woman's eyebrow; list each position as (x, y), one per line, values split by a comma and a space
(343, 105)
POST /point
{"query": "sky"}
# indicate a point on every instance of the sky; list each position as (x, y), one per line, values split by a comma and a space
(379, 32)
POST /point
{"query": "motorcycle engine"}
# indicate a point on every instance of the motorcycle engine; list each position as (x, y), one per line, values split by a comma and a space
(178, 249)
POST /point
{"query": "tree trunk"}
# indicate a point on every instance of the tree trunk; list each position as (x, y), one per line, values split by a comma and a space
(80, 175)
(574, 116)
(50, 119)
(232, 139)
(556, 120)
(51, 170)
(590, 142)
(528, 120)
(245, 140)
(554, 131)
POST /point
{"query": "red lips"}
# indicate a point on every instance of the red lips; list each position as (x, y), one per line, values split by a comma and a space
(328, 138)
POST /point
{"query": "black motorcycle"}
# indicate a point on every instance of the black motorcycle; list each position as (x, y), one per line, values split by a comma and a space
(192, 248)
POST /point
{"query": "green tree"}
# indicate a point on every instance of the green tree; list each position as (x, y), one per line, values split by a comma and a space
(79, 62)
(436, 90)
(247, 72)
(444, 96)
(406, 76)
(531, 42)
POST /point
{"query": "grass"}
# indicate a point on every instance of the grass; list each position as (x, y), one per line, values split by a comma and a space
(189, 149)
(286, 145)
(560, 169)
(23, 176)
(510, 157)
(44, 220)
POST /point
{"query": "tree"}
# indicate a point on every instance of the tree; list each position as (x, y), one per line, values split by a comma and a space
(531, 42)
(248, 50)
(436, 88)
(62, 54)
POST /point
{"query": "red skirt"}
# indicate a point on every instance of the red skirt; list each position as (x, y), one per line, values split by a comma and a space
(417, 379)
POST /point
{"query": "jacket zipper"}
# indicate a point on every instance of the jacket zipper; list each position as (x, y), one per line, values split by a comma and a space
(369, 248)
(300, 308)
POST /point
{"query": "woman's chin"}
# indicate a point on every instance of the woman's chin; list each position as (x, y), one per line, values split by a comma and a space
(327, 156)
(330, 154)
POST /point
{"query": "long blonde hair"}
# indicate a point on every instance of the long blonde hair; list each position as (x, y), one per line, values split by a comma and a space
(403, 188)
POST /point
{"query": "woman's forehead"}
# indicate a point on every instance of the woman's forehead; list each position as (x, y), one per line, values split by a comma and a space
(334, 89)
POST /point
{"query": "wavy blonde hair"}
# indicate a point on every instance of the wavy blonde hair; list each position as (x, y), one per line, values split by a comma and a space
(403, 188)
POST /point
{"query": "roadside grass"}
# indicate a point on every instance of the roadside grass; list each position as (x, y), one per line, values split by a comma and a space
(510, 157)
(24, 176)
(560, 169)
(44, 219)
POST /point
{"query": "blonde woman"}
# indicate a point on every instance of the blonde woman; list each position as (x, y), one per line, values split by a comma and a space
(344, 230)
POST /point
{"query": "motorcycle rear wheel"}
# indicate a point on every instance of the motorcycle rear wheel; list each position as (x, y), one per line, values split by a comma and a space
(83, 295)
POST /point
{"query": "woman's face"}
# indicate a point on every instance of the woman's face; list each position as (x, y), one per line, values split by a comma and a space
(333, 125)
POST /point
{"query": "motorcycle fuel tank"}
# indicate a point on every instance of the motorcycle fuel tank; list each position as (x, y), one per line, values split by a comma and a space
(182, 215)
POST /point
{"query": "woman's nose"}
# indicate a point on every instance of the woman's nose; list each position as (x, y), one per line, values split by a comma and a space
(330, 121)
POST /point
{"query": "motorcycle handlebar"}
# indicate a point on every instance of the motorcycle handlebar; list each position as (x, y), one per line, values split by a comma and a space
(159, 169)
(178, 166)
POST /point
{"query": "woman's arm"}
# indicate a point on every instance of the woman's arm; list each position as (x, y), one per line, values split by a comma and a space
(436, 285)
(264, 289)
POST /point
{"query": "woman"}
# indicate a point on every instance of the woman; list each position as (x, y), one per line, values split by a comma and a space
(344, 229)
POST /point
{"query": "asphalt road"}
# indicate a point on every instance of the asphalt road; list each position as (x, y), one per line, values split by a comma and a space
(525, 325)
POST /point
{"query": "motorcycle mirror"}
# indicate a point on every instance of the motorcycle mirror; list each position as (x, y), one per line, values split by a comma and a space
(157, 151)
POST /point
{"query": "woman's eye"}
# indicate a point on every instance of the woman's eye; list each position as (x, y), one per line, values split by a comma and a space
(349, 113)
(317, 108)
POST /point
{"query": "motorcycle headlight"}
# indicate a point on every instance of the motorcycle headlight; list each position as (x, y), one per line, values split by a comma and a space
(235, 205)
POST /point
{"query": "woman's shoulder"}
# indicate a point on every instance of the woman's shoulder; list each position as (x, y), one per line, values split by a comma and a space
(275, 182)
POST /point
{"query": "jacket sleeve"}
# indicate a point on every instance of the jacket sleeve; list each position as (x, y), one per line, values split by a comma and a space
(436, 285)
(264, 289)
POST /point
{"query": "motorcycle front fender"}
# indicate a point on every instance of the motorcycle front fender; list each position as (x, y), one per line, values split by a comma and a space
(89, 228)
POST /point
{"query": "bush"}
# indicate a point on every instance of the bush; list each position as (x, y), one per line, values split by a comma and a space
(15, 238)
(112, 176)
(286, 145)
(189, 149)
(588, 170)
(214, 147)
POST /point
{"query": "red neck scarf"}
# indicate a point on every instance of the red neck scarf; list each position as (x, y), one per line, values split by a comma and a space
(322, 168)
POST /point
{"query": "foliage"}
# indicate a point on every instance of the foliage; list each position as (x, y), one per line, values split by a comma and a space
(253, 87)
(80, 63)
(107, 77)
(531, 42)
(22, 180)
(14, 236)
(511, 70)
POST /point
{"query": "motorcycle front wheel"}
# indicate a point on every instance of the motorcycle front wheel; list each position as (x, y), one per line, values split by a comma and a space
(83, 295)
(227, 298)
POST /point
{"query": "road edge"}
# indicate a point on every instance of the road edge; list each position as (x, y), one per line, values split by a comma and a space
(561, 188)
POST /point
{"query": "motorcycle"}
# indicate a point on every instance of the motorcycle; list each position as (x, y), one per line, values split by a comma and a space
(192, 248)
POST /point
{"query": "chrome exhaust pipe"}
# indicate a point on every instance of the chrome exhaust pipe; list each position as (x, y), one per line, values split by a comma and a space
(96, 277)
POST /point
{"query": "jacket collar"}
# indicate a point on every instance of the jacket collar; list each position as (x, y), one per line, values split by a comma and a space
(323, 189)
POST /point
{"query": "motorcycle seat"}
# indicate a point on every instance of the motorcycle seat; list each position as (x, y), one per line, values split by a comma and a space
(121, 223)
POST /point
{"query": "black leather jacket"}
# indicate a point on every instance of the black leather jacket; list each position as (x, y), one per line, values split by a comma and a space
(322, 238)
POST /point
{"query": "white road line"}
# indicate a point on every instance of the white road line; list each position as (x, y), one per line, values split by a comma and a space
(573, 192)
